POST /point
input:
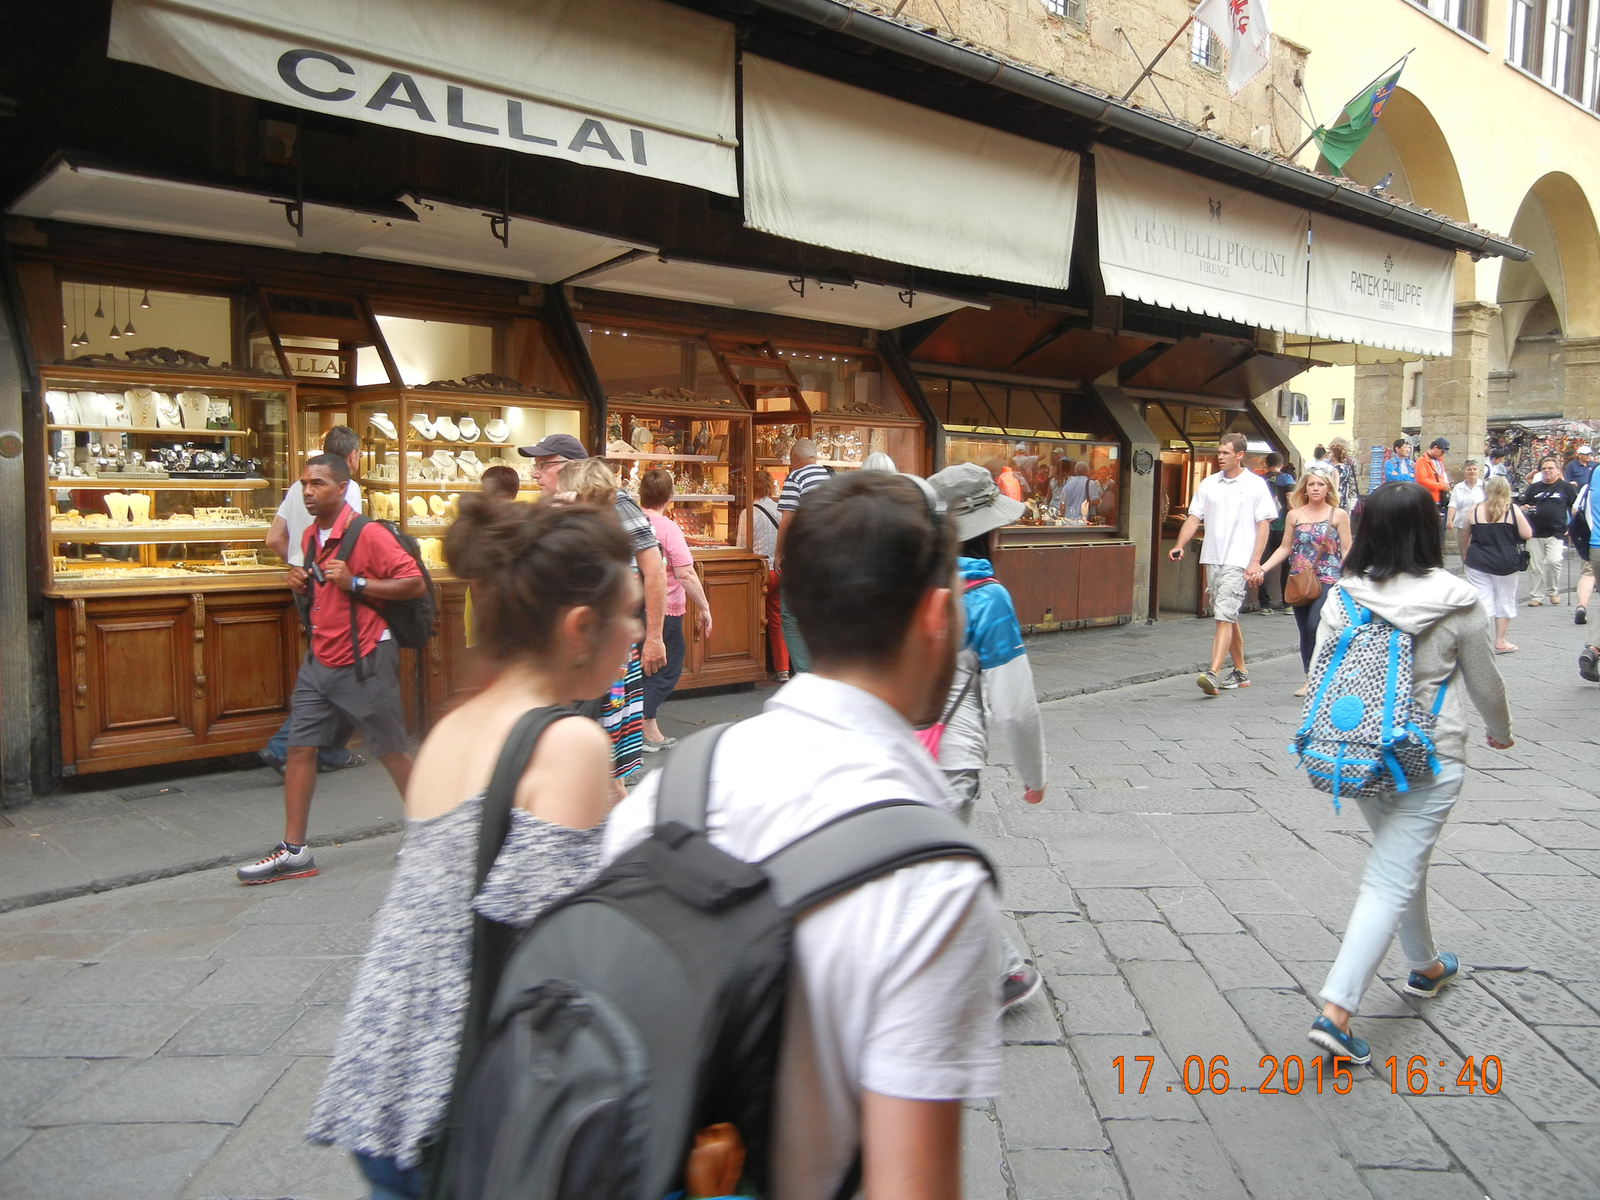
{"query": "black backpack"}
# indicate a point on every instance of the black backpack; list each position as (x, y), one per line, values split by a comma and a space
(648, 1004)
(410, 621)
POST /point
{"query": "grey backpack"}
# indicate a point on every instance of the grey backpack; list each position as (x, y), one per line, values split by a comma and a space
(1362, 733)
(649, 1004)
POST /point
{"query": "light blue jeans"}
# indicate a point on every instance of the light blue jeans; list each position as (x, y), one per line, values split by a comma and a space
(1394, 887)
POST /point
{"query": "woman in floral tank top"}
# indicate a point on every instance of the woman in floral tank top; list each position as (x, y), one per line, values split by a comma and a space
(1317, 539)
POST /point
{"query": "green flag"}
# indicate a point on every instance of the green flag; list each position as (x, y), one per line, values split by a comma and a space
(1360, 115)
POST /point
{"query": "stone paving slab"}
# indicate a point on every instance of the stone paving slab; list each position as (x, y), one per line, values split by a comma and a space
(167, 1039)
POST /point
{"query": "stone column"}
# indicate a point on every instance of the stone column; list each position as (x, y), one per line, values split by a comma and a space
(1581, 365)
(1138, 496)
(1378, 401)
(1455, 397)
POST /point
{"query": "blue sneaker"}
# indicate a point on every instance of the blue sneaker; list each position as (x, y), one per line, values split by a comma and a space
(1418, 984)
(1326, 1034)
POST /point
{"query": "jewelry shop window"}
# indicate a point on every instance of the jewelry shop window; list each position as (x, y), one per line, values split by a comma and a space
(1056, 452)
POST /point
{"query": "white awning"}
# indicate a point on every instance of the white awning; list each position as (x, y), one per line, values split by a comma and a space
(863, 305)
(827, 164)
(1380, 290)
(432, 233)
(1180, 241)
(640, 86)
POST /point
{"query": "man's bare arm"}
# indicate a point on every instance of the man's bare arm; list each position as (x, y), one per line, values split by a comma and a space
(910, 1149)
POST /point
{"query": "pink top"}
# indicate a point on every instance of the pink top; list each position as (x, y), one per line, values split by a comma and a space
(675, 549)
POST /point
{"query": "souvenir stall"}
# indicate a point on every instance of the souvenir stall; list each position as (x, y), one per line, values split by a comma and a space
(1067, 561)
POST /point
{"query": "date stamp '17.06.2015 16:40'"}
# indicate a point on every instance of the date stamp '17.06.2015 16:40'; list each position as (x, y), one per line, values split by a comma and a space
(1290, 1076)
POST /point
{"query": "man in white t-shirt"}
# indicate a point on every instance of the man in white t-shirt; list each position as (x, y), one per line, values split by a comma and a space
(892, 1016)
(1237, 508)
(284, 539)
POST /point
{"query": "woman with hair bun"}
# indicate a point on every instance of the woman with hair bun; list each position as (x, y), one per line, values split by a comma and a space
(555, 602)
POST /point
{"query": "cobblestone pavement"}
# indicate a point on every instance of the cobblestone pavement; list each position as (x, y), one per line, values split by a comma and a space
(1180, 888)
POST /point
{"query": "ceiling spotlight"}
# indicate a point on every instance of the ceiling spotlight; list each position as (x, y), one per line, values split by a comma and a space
(99, 305)
(128, 329)
(145, 303)
(115, 333)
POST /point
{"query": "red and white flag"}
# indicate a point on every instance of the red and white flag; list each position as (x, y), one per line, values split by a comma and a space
(1245, 30)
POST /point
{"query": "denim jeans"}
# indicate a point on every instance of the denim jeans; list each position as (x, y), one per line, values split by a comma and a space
(1394, 887)
(329, 756)
(799, 656)
(388, 1181)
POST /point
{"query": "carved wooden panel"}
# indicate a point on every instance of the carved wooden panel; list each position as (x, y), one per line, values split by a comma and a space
(143, 666)
(736, 650)
(249, 651)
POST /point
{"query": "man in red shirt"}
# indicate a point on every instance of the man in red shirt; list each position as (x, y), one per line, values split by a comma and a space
(332, 683)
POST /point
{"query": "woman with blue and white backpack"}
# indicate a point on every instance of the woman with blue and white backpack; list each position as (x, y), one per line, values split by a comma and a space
(1395, 571)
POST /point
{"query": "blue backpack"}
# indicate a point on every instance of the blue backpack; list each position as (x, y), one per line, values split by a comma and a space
(1362, 733)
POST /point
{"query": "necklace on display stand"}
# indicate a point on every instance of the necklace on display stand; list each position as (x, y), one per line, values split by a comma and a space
(446, 428)
(196, 406)
(169, 413)
(141, 407)
(60, 406)
(468, 429)
(384, 426)
(497, 431)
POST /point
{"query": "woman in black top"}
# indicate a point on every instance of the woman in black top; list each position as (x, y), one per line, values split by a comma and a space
(1493, 556)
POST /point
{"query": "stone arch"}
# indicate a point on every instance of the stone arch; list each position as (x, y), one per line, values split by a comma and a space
(1408, 143)
(1556, 222)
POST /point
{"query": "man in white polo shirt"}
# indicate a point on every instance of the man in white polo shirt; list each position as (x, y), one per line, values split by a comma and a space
(892, 1019)
(1237, 509)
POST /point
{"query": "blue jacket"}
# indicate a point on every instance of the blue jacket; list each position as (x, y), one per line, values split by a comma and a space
(1397, 469)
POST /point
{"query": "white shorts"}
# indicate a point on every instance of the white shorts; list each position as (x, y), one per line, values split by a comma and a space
(1226, 585)
(1499, 592)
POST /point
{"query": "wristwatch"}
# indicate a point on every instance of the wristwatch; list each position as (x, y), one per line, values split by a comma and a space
(358, 585)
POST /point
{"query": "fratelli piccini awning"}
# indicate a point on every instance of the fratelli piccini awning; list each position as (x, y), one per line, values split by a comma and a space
(639, 86)
(1182, 241)
(828, 164)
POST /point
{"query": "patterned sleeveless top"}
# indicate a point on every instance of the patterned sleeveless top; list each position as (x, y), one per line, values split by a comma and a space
(1316, 546)
(398, 1044)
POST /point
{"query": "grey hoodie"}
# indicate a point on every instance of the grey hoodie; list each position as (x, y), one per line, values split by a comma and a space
(1451, 640)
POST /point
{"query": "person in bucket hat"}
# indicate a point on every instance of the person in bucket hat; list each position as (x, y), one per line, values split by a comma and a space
(992, 672)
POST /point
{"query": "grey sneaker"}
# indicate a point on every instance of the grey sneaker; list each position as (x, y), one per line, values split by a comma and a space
(656, 747)
(1018, 987)
(1209, 683)
(282, 863)
(1236, 678)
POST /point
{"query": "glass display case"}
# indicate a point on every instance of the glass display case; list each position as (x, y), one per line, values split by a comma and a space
(421, 448)
(1065, 484)
(707, 451)
(162, 471)
(838, 398)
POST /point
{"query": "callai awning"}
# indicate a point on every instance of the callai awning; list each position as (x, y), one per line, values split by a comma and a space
(640, 86)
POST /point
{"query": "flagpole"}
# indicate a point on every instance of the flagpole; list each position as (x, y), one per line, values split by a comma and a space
(1146, 73)
(1383, 74)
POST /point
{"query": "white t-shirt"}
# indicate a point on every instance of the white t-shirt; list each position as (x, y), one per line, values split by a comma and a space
(1230, 509)
(296, 517)
(1464, 498)
(896, 984)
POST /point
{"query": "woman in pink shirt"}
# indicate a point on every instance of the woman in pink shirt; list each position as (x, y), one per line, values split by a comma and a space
(655, 497)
